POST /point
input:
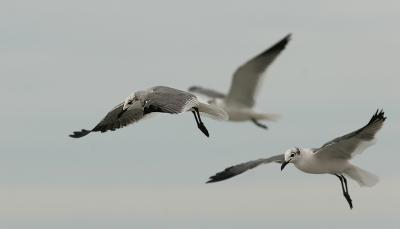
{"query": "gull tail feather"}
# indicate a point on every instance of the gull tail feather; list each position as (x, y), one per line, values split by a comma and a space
(213, 111)
(363, 178)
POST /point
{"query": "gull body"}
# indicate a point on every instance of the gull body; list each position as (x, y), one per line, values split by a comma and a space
(156, 99)
(246, 81)
(240, 114)
(331, 158)
(308, 163)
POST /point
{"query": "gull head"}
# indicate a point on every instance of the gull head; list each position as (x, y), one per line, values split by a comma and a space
(129, 102)
(291, 156)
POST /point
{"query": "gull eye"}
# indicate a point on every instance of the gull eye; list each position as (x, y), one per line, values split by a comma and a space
(292, 155)
(130, 102)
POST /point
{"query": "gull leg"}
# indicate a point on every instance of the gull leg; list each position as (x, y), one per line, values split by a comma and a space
(195, 117)
(200, 124)
(346, 195)
(257, 123)
(347, 192)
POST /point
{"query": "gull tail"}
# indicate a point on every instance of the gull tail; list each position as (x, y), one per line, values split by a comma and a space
(363, 178)
(213, 111)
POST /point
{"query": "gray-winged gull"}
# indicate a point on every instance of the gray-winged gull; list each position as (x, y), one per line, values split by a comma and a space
(332, 158)
(240, 100)
(156, 99)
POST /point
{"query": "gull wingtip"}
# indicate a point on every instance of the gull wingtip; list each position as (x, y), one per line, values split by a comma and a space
(210, 181)
(79, 134)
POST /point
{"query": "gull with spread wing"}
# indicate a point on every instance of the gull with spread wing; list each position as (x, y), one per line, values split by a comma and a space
(240, 100)
(156, 99)
(332, 158)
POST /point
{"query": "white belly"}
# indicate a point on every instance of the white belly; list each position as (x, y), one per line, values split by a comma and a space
(236, 114)
(316, 166)
(239, 114)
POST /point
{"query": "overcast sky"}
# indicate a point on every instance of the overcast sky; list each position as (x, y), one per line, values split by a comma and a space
(64, 64)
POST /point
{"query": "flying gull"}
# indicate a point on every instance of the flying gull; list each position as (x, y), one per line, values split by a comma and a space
(240, 100)
(332, 158)
(156, 99)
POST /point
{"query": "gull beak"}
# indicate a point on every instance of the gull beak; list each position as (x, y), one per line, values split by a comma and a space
(127, 105)
(284, 164)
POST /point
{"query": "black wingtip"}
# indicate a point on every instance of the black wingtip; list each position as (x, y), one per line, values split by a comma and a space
(226, 174)
(288, 37)
(278, 46)
(193, 88)
(211, 180)
(219, 177)
(79, 134)
(378, 116)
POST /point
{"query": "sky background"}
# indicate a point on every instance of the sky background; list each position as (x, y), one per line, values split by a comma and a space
(64, 64)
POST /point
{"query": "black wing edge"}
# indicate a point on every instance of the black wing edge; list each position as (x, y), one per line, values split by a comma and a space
(243, 167)
(79, 134)
(377, 117)
(226, 174)
(194, 88)
(98, 128)
(278, 46)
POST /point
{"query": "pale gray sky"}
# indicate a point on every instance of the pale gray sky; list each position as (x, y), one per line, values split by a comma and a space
(64, 64)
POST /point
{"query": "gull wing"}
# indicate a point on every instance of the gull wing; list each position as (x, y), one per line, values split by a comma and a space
(355, 142)
(241, 168)
(169, 100)
(247, 77)
(114, 119)
(207, 92)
